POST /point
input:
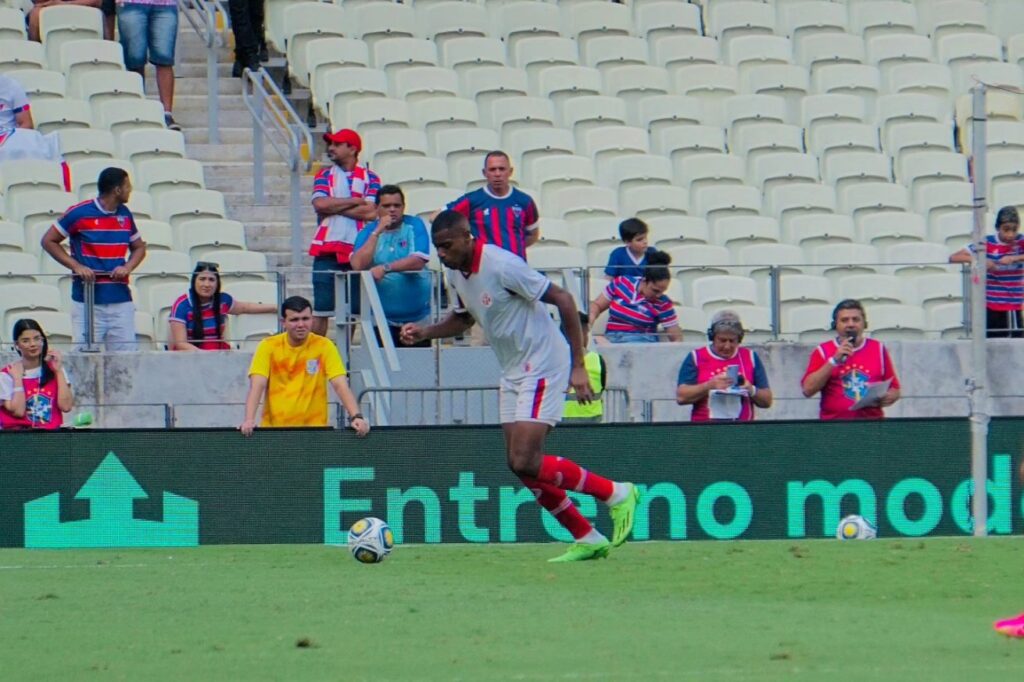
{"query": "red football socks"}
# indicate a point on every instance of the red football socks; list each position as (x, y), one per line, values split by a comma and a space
(568, 475)
(560, 506)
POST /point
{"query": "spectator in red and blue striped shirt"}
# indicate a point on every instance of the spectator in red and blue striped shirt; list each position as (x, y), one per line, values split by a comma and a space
(499, 213)
(638, 305)
(105, 248)
(190, 332)
(1004, 290)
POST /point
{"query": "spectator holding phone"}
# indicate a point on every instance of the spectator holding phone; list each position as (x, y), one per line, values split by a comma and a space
(724, 366)
(34, 391)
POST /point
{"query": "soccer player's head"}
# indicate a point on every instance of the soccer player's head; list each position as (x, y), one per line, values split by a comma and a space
(498, 172)
(452, 239)
(1007, 224)
(114, 183)
(297, 318)
(657, 277)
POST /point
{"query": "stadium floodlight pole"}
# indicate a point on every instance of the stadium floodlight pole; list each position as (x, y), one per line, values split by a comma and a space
(977, 383)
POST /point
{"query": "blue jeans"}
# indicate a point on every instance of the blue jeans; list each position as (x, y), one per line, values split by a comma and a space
(631, 337)
(147, 30)
(324, 268)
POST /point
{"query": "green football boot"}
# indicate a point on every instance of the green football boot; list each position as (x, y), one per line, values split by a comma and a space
(622, 516)
(584, 551)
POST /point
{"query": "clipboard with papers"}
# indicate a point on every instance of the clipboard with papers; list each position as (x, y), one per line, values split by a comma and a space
(872, 395)
(726, 404)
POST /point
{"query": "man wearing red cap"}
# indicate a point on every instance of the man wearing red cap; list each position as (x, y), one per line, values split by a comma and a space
(344, 198)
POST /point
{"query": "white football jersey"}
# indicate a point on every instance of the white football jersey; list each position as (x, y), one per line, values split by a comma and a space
(502, 293)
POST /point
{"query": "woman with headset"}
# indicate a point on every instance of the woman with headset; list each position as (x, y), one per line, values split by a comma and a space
(723, 380)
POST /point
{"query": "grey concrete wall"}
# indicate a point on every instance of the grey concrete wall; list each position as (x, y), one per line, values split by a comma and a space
(208, 389)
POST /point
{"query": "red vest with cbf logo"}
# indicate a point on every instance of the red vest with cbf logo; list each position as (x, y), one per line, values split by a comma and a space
(710, 365)
(41, 409)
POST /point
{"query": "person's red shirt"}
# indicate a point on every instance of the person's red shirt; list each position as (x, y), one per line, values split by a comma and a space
(869, 363)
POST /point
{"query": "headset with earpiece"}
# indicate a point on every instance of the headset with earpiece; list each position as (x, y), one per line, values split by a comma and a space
(717, 323)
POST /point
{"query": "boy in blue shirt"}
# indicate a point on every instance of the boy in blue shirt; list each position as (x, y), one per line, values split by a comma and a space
(629, 260)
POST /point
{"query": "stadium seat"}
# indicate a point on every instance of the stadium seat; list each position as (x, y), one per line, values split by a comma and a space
(19, 53)
(788, 81)
(179, 206)
(248, 330)
(139, 146)
(425, 200)
(558, 232)
(862, 80)
(19, 268)
(40, 84)
(558, 171)
(24, 299)
(804, 20)
(711, 84)
(894, 322)
(682, 142)
(471, 52)
(157, 234)
(758, 139)
(872, 289)
(30, 175)
(326, 54)
(834, 261)
(85, 174)
(517, 21)
(440, 113)
(939, 19)
(614, 142)
(160, 300)
(928, 79)
(588, 21)
(654, 203)
(823, 110)
(417, 83)
(723, 290)
(736, 232)
(464, 173)
(303, 23)
(786, 201)
(519, 113)
(57, 325)
(657, 21)
(745, 52)
(952, 196)
(840, 138)
(816, 229)
(668, 233)
(611, 51)
(380, 20)
(633, 83)
(61, 114)
(577, 203)
(891, 227)
(867, 198)
(43, 206)
(12, 237)
(158, 176)
(373, 115)
(198, 238)
(932, 291)
(918, 169)
(962, 52)
(12, 24)
(769, 171)
(716, 202)
(743, 110)
(796, 290)
(726, 20)
(560, 83)
(635, 171)
(954, 229)
(239, 265)
(141, 205)
(692, 262)
(857, 167)
(691, 320)
(659, 112)
(586, 112)
(920, 258)
(145, 332)
(489, 84)
(946, 321)
(458, 143)
(831, 48)
(83, 143)
(757, 320)
(65, 23)
(678, 52)
(890, 51)
(1004, 19)
(759, 259)
(349, 83)
(883, 18)
(597, 236)
(100, 87)
(709, 170)
(808, 323)
(446, 21)
(129, 114)
(88, 56)
(537, 54)
(162, 267)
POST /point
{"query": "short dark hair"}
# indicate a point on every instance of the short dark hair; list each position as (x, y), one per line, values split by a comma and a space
(631, 228)
(449, 220)
(390, 189)
(496, 152)
(847, 304)
(656, 269)
(296, 304)
(110, 179)
(1007, 214)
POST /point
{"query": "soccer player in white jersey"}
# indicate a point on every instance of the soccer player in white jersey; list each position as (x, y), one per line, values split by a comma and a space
(498, 290)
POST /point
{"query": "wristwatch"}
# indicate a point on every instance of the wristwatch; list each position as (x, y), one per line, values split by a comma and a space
(387, 267)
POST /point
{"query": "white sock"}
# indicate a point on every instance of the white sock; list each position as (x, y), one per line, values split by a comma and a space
(620, 491)
(593, 537)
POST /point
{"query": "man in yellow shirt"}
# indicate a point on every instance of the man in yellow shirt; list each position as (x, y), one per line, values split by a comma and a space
(291, 370)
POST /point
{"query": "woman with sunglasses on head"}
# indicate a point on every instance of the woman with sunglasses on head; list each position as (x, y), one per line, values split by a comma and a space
(34, 391)
(206, 330)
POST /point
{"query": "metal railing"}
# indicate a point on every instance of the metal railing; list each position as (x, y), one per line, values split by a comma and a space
(274, 117)
(442, 405)
(202, 16)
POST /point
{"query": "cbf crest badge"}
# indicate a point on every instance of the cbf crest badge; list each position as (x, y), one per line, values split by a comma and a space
(486, 300)
(312, 367)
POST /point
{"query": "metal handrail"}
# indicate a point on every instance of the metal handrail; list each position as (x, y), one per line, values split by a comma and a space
(202, 15)
(274, 117)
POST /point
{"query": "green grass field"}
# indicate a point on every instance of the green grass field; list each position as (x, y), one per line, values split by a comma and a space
(815, 610)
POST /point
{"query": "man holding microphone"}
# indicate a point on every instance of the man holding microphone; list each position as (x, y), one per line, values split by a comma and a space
(845, 368)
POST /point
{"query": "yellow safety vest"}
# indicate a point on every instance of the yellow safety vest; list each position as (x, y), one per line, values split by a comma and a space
(574, 409)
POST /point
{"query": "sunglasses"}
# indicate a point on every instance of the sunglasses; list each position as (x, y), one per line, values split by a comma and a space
(202, 266)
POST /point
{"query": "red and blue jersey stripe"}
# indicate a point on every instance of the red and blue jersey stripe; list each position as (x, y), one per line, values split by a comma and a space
(183, 311)
(500, 221)
(1004, 288)
(631, 312)
(99, 240)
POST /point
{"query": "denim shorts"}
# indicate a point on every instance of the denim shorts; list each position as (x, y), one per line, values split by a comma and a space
(147, 30)
(324, 268)
(631, 337)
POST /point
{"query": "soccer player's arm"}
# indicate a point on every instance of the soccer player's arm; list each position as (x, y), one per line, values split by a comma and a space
(456, 323)
(818, 372)
(893, 394)
(259, 377)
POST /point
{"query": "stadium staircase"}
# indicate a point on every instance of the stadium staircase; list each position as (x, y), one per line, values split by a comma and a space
(228, 165)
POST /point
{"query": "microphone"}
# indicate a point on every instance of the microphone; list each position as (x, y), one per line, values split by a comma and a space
(852, 337)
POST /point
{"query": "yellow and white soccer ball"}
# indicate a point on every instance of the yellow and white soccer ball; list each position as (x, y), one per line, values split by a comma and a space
(856, 527)
(370, 540)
